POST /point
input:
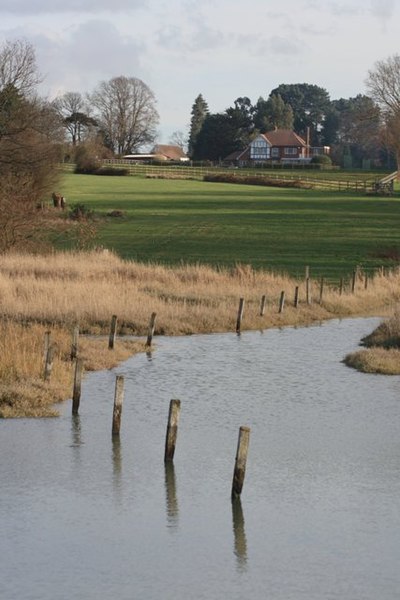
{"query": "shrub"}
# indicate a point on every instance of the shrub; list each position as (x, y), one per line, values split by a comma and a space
(321, 159)
(80, 212)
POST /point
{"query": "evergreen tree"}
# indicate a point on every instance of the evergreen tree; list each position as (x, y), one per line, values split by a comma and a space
(273, 113)
(199, 114)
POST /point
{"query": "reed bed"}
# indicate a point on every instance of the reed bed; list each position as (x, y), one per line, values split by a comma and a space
(383, 349)
(59, 290)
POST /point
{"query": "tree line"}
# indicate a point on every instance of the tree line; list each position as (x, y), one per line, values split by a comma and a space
(356, 128)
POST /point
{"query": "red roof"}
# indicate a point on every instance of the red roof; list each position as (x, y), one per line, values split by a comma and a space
(283, 137)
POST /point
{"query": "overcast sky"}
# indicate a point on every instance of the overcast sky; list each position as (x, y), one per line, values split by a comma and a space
(220, 48)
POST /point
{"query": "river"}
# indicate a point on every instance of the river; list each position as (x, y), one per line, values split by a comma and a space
(86, 517)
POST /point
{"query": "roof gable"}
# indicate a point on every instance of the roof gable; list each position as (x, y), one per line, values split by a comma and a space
(283, 137)
(171, 152)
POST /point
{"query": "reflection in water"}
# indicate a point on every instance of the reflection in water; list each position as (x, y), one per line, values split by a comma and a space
(239, 533)
(170, 495)
(117, 461)
(76, 431)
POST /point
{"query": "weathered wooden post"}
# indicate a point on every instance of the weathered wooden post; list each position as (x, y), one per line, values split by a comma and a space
(281, 302)
(321, 290)
(240, 315)
(48, 365)
(74, 344)
(262, 305)
(366, 281)
(76, 394)
(113, 331)
(118, 400)
(240, 461)
(46, 345)
(172, 429)
(341, 286)
(307, 272)
(296, 297)
(151, 329)
(353, 281)
(308, 295)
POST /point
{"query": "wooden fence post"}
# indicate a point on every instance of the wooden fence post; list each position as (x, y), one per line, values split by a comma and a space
(240, 315)
(113, 330)
(262, 305)
(76, 394)
(172, 429)
(47, 337)
(240, 461)
(281, 302)
(118, 400)
(321, 290)
(48, 365)
(74, 344)
(308, 295)
(296, 297)
(353, 281)
(366, 281)
(307, 272)
(341, 286)
(151, 329)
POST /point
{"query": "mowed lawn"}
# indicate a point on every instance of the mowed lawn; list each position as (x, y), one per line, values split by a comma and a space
(173, 221)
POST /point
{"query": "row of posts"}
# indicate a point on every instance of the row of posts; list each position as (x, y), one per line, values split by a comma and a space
(174, 407)
(296, 295)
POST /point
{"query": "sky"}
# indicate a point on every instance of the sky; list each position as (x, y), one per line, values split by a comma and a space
(222, 49)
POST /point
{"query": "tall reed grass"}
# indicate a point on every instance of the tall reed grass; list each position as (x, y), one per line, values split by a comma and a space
(59, 290)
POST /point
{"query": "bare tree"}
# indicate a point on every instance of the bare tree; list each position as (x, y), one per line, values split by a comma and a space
(126, 112)
(383, 84)
(18, 67)
(178, 138)
(29, 147)
(74, 110)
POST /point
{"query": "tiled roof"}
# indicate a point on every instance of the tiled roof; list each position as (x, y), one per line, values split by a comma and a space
(171, 152)
(283, 137)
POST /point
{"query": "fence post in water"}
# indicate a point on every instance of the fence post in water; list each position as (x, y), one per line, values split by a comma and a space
(74, 344)
(296, 297)
(151, 329)
(262, 305)
(321, 290)
(76, 394)
(113, 330)
(118, 400)
(48, 365)
(172, 429)
(240, 315)
(240, 461)
(281, 302)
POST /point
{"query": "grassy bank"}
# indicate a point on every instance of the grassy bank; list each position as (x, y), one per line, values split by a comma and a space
(382, 352)
(56, 291)
(218, 224)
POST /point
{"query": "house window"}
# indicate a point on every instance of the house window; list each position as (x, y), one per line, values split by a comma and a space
(274, 152)
(290, 151)
(259, 150)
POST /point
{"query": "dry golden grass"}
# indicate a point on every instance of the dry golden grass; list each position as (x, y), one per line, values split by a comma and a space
(58, 290)
(375, 360)
(383, 353)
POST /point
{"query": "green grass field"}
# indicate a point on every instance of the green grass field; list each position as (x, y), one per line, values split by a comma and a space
(172, 221)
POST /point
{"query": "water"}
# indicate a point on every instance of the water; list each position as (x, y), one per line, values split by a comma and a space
(83, 517)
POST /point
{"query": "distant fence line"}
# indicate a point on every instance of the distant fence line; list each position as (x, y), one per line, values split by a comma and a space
(370, 185)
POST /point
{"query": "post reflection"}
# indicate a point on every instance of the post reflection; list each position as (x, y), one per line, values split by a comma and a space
(76, 431)
(116, 461)
(170, 495)
(240, 547)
